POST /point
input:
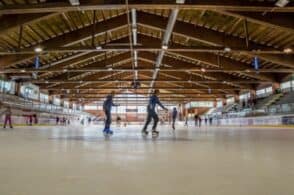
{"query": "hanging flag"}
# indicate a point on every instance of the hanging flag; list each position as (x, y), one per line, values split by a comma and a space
(256, 63)
(37, 62)
(37, 65)
(209, 90)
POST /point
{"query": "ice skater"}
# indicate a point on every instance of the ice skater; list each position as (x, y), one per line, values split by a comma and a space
(174, 117)
(7, 113)
(151, 113)
(196, 120)
(107, 105)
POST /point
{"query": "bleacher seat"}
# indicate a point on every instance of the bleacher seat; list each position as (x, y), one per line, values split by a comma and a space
(286, 99)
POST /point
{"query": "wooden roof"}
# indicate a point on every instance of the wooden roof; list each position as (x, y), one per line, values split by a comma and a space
(89, 50)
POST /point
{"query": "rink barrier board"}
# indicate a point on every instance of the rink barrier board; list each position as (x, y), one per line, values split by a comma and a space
(253, 121)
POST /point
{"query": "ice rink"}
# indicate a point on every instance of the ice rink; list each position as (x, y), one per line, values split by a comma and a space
(77, 160)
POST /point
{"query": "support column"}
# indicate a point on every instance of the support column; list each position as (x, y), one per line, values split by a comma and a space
(224, 102)
(276, 87)
(252, 94)
(50, 98)
(17, 89)
(237, 99)
(215, 103)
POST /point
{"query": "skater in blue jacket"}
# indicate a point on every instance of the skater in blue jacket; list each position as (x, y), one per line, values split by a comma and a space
(151, 113)
(174, 117)
(107, 105)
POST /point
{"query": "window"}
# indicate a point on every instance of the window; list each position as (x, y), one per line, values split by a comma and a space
(206, 104)
(264, 92)
(286, 85)
(219, 104)
(66, 104)
(56, 101)
(269, 90)
(44, 98)
(29, 91)
(230, 100)
(260, 92)
(142, 109)
(244, 96)
(7, 87)
(74, 106)
(90, 107)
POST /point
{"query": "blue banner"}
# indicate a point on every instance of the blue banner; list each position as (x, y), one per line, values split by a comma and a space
(256, 63)
(37, 62)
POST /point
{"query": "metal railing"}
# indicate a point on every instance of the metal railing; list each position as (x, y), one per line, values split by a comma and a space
(20, 103)
(281, 108)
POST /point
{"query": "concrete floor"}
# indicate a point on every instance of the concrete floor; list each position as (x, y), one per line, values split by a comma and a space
(79, 161)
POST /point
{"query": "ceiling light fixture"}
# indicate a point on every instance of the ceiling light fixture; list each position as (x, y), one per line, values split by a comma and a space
(98, 47)
(180, 1)
(282, 3)
(227, 49)
(165, 47)
(203, 70)
(288, 50)
(38, 49)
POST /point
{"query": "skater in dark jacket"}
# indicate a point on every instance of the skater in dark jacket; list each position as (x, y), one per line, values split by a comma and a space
(7, 113)
(199, 121)
(196, 120)
(107, 105)
(174, 117)
(151, 113)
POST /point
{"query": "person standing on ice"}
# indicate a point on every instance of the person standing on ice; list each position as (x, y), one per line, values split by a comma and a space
(174, 117)
(7, 113)
(107, 105)
(151, 113)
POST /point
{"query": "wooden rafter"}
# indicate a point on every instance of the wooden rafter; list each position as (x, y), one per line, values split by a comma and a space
(231, 5)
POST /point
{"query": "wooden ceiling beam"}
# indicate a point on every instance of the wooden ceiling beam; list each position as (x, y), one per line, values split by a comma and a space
(64, 88)
(145, 63)
(281, 21)
(149, 47)
(134, 101)
(72, 61)
(103, 77)
(227, 63)
(92, 75)
(196, 79)
(9, 22)
(149, 80)
(97, 64)
(141, 98)
(150, 56)
(7, 60)
(188, 68)
(214, 60)
(97, 92)
(68, 39)
(211, 37)
(230, 5)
